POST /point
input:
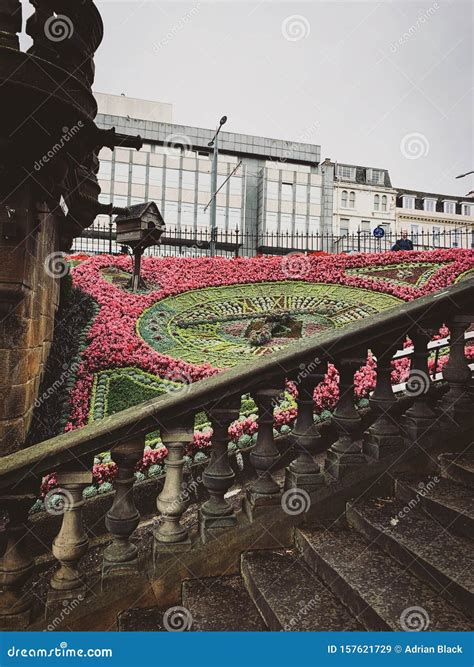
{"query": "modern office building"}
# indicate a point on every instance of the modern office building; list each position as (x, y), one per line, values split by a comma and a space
(273, 195)
(274, 187)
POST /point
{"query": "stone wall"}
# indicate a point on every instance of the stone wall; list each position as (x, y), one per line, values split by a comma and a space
(29, 294)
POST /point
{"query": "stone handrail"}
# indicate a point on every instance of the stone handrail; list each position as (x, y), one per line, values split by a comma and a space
(397, 429)
(148, 416)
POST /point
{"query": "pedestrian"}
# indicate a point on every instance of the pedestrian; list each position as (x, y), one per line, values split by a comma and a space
(404, 243)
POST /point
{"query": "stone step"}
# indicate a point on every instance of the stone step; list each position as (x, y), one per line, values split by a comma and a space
(220, 603)
(290, 596)
(140, 620)
(458, 468)
(419, 543)
(380, 593)
(445, 501)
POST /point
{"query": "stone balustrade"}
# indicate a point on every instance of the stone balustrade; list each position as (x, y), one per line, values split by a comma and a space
(394, 432)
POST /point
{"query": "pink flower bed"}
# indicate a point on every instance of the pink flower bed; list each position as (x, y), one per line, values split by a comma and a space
(113, 341)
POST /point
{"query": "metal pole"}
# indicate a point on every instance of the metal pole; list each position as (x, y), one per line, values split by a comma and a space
(110, 234)
(212, 246)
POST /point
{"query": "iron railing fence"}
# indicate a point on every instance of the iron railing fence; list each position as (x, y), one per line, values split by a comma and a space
(186, 241)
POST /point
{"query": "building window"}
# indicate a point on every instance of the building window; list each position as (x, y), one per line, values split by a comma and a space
(301, 193)
(105, 170)
(171, 213)
(414, 230)
(344, 198)
(139, 174)
(468, 209)
(271, 223)
(187, 215)
(172, 178)
(408, 201)
(455, 238)
(346, 173)
(189, 180)
(365, 226)
(155, 176)
(236, 186)
(352, 199)
(436, 236)
(121, 172)
(384, 202)
(429, 204)
(344, 227)
(287, 191)
(285, 224)
(234, 218)
(272, 190)
(449, 207)
(204, 183)
(377, 203)
(315, 194)
(375, 176)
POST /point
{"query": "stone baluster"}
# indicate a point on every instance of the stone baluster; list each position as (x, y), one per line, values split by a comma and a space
(346, 454)
(71, 543)
(123, 517)
(217, 513)
(264, 490)
(303, 472)
(10, 23)
(383, 437)
(16, 565)
(170, 534)
(456, 404)
(420, 419)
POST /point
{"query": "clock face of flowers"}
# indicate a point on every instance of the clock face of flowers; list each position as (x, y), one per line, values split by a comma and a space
(202, 316)
(227, 325)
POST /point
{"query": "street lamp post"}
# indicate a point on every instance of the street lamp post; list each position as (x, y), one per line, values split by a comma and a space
(215, 156)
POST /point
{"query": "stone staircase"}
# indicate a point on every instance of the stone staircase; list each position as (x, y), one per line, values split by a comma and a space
(393, 563)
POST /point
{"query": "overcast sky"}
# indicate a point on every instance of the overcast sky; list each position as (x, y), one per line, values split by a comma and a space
(382, 84)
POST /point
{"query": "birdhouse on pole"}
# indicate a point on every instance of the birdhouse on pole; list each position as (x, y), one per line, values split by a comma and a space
(139, 226)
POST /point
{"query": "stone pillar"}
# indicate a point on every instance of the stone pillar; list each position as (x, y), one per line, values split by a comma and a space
(170, 533)
(123, 517)
(457, 404)
(217, 512)
(420, 419)
(303, 472)
(264, 490)
(71, 543)
(383, 437)
(345, 455)
(16, 565)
